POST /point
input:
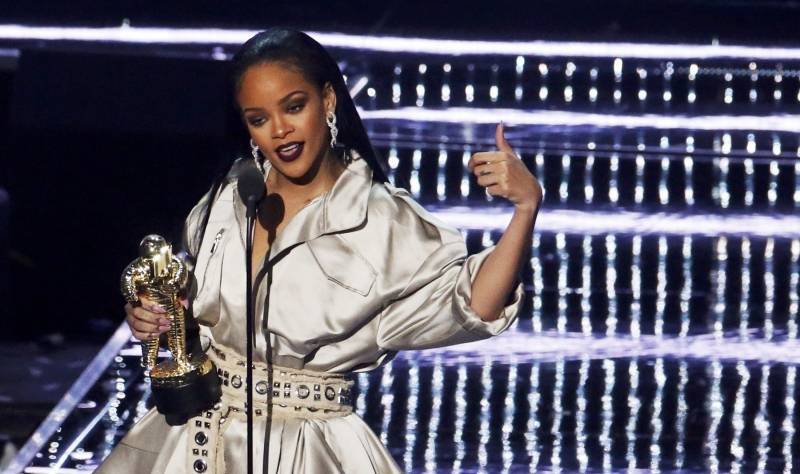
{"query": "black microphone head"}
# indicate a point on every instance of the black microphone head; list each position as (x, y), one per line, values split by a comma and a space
(251, 184)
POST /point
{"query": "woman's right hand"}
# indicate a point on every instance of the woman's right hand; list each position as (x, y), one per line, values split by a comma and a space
(146, 319)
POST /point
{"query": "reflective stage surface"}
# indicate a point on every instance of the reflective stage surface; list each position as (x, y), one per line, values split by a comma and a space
(651, 413)
(656, 352)
(659, 331)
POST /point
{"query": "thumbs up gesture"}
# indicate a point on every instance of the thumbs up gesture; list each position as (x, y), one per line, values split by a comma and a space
(504, 174)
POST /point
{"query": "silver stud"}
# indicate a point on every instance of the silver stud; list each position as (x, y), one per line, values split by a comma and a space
(261, 387)
(287, 394)
(287, 385)
(316, 387)
(236, 381)
(316, 396)
(200, 438)
(276, 393)
(303, 391)
(330, 393)
(200, 466)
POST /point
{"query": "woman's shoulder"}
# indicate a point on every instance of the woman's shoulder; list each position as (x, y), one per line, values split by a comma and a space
(401, 236)
(218, 193)
(395, 208)
(218, 196)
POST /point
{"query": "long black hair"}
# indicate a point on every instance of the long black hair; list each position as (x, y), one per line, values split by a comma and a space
(298, 50)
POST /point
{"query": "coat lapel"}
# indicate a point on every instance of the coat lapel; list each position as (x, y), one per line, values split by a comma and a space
(342, 208)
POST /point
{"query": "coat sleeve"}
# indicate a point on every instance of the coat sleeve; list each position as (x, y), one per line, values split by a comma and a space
(433, 309)
(191, 239)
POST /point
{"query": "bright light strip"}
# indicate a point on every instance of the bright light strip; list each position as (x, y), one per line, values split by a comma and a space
(522, 346)
(127, 34)
(50, 470)
(397, 44)
(461, 115)
(604, 222)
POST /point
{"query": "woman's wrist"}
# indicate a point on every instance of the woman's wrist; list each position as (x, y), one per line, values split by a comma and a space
(527, 208)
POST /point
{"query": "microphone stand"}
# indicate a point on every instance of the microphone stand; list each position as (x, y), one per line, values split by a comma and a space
(251, 213)
(251, 190)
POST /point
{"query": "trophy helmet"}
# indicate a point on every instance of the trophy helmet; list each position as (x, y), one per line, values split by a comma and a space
(152, 245)
(158, 252)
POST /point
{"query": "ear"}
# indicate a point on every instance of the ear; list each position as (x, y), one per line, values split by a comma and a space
(329, 97)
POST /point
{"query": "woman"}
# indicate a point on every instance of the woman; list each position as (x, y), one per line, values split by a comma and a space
(347, 270)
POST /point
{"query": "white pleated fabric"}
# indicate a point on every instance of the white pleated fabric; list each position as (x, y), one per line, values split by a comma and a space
(358, 274)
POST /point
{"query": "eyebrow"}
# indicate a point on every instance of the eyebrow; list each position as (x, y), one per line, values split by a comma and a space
(285, 99)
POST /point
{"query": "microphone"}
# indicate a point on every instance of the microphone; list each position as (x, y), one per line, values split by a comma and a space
(251, 187)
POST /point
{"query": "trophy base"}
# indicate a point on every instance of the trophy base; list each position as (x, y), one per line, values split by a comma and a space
(184, 395)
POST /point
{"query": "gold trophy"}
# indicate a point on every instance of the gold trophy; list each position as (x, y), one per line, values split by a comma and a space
(187, 383)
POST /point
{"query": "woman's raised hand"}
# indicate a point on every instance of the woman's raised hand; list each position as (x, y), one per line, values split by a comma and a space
(146, 319)
(504, 174)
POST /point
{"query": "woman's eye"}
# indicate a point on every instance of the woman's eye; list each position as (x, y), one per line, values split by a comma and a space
(256, 121)
(296, 107)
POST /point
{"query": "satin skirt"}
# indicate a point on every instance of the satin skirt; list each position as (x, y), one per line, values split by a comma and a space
(297, 445)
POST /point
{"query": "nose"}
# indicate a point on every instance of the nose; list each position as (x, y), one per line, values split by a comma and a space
(280, 128)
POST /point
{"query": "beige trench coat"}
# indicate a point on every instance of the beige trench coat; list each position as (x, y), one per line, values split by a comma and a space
(359, 273)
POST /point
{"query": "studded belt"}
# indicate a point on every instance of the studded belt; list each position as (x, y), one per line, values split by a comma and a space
(294, 394)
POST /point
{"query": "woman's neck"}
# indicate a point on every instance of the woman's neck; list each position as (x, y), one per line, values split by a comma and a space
(304, 191)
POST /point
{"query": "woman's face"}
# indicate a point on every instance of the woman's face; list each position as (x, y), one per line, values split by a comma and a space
(285, 115)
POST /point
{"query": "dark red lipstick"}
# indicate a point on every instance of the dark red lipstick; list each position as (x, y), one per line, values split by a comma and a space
(290, 151)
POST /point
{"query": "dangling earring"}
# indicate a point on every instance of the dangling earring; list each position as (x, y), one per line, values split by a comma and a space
(259, 163)
(330, 119)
